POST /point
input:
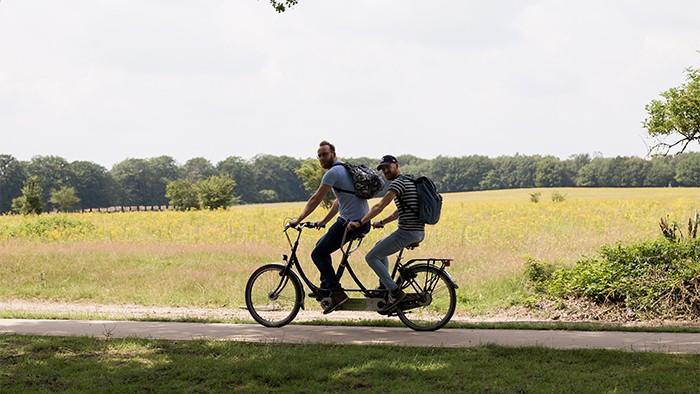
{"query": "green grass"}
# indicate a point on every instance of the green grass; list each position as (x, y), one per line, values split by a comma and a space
(76, 364)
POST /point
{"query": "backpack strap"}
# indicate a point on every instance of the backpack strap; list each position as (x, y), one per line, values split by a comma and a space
(403, 204)
(340, 163)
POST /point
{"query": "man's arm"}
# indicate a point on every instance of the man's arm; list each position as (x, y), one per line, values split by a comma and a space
(330, 215)
(375, 210)
(311, 204)
(380, 223)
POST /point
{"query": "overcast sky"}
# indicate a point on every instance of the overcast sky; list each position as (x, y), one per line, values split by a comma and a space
(103, 81)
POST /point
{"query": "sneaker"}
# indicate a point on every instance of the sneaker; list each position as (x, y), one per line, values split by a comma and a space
(338, 298)
(393, 299)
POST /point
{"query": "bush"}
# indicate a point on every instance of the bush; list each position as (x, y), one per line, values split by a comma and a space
(52, 228)
(656, 279)
(558, 197)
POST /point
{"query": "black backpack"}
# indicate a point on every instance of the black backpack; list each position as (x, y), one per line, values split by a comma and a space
(366, 181)
(429, 200)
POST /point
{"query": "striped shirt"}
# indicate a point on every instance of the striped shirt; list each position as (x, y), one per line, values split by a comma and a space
(407, 202)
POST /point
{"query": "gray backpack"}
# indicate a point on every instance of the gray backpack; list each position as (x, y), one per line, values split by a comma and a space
(366, 181)
(429, 200)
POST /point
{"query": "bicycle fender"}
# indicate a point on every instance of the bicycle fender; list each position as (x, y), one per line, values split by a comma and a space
(296, 277)
(427, 263)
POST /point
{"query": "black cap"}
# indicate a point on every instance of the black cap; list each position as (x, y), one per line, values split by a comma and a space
(388, 159)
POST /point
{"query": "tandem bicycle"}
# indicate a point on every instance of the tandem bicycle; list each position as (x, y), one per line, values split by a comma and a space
(274, 293)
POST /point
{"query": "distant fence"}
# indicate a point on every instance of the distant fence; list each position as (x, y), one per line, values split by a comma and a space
(135, 208)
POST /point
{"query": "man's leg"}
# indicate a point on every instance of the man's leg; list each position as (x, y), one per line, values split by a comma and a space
(378, 260)
(321, 255)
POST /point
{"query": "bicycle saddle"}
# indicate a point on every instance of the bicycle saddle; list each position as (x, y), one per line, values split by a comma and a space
(413, 245)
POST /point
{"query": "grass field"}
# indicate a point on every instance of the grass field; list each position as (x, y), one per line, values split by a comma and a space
(204, 258)
(77, 365)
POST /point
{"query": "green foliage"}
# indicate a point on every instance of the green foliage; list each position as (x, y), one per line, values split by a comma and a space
(535, 197)
(558, 197)
(216, 192)
(11, 177)
(51, 227)
(64, 198)
(267, 196)
(283, 5)
(677, 113)
(311, 173)
(31, 200)
(688, 169)
(672, 230)
(182, 194)
(135, 182)
(650, 279)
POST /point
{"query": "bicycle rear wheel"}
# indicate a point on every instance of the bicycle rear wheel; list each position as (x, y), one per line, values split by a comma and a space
(272, 297)
(430, 298)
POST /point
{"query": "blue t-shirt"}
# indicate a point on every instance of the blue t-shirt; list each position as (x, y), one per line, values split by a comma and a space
(351, 207)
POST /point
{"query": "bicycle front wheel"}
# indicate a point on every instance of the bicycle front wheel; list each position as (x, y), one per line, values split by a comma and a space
(272, 296)
(430, 298)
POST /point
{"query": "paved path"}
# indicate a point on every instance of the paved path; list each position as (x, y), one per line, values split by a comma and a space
(447, 337)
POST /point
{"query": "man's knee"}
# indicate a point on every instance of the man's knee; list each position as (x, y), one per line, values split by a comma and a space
(318, 256)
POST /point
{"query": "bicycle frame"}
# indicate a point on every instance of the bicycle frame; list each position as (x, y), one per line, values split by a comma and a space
(347, 249)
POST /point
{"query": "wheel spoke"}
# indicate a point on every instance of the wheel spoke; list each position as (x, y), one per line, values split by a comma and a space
(435, 300)
(273, 299)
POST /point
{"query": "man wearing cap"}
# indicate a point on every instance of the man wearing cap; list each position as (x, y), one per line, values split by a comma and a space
(410, 230)
(347, 206)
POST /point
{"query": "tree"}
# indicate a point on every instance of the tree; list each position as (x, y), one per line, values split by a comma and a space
(182, 194)
(688, 169)
(216, 192)
(197, 169)
(163, 169)
(676, 114)
(31, 200)
(311, 174)
(241, 171)
(93, 184)
(133, 178)
(51, 172)
(64, 198)
(661, 172)
(143, 181)
(549, 172)
(283, 5)
(11, 177)
(278, 173)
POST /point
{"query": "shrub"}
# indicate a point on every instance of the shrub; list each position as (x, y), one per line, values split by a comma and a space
(52, 228)
(651, 279)
(558, 197)
(535, 197)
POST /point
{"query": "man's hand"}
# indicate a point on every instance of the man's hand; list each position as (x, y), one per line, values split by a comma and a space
(293, 223)
(378, 224)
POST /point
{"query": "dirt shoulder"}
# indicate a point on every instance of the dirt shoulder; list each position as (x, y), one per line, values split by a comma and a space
(544, 315)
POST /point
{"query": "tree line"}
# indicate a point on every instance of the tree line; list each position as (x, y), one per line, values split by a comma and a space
(267, 178)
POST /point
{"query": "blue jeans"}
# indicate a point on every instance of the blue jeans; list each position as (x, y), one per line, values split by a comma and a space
(378, 259)
(329, 243)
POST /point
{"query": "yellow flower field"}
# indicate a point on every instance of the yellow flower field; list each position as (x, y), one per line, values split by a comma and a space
(203, 258)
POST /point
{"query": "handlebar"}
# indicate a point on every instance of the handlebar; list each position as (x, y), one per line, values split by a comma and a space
(302, 224)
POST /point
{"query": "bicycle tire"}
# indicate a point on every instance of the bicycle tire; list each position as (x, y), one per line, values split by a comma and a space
(273, 298)
(430, 301)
